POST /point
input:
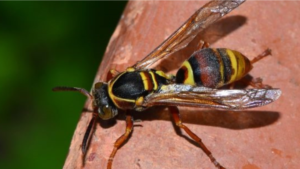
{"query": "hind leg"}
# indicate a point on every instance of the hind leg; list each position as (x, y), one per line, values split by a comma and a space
(265, 53)
(176, 116)
(256, 82)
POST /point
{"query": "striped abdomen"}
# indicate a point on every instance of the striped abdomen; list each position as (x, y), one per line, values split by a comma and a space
(213, 68)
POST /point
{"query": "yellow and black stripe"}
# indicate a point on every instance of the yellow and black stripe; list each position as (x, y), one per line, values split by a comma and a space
(213, 68)
(131, 86)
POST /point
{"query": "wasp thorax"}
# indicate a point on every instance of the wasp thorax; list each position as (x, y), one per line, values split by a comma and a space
(106, 108)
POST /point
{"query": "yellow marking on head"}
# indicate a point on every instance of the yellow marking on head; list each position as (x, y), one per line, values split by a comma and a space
(190, 75)
(233, 65)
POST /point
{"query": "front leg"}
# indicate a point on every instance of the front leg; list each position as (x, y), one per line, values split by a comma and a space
(120, 141)
(87, 136)
(111, 74)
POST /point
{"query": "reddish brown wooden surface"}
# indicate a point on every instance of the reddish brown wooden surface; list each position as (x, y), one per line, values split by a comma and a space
(266, 137)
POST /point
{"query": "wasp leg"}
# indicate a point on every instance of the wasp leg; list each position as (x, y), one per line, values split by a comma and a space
(254, 82)
(257, 83)
(121, 140)
(87, 136)
(176, 116)
(111, 74)
(267, 52)
(202, 44)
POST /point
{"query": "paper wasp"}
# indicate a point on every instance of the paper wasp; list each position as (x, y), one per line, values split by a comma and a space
(196, 83)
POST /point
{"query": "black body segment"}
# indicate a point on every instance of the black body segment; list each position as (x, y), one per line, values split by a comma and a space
(130, 86)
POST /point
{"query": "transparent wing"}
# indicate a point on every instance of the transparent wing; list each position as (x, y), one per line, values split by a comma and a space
(203, 17)
(186, 95)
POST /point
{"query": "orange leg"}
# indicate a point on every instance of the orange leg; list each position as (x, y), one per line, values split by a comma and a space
(202, 45)
(176, 116)
(254, 82)
(120, 141)
(111, 74)
(267, 52)
(257, 83)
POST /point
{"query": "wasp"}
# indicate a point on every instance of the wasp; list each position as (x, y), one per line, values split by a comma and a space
(197, 82)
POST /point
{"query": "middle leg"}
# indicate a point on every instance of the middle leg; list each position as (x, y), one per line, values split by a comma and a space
(202, 44)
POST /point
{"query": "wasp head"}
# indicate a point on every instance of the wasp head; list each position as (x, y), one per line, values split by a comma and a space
(106, 108)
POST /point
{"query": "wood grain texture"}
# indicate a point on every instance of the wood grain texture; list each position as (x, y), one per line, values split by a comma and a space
(266, 137)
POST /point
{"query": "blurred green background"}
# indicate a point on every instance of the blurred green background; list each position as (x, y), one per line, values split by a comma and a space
(43, 45)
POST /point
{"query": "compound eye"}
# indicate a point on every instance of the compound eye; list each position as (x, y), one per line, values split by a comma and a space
(106, 109)
(105, 112)
(101, 112)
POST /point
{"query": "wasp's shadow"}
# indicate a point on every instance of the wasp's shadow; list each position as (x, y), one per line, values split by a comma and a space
(235, 120)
